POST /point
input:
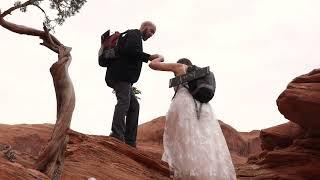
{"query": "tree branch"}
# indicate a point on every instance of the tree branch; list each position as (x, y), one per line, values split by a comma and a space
(40, 9)
(49, 40)
(48, 35)
(50, 47)
(17, 7)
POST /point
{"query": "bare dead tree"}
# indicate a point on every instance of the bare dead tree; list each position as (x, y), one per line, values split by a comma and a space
(51, 159)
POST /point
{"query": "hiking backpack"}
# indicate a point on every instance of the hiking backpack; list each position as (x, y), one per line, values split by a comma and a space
(109, 47)
(200, 83)
(203, 88)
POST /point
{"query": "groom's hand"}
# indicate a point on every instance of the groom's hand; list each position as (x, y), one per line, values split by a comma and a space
(153, 56)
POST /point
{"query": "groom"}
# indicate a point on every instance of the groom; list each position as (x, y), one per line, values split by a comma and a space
(121, 75)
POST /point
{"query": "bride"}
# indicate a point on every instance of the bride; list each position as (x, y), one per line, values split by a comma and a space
(195, 149)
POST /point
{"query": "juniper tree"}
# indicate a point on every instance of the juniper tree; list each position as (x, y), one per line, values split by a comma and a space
(51, 159)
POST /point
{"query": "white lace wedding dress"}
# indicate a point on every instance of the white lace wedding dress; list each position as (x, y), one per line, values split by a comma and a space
(195, 149)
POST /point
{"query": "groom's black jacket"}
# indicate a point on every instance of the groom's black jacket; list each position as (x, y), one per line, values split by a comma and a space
(128, 66)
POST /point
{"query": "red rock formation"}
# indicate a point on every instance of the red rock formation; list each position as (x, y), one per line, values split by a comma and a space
(253, 141)
(291, 150)
(235, 142)
(300, 102)
(16, 171)
(298, 161)
(150, 137)
(98, 156)
(86, 156)
(280, 136)
(152, 131)
(241, 143)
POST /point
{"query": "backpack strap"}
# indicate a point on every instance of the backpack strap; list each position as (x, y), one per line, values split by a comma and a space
(198, 110)
(120, 40)
(175, 92)
(121, 34)
(124, 32)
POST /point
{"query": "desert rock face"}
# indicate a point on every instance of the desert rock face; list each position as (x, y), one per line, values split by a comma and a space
(87, 156)
(253, 141)
(100, 157)
(10, 170)
(241, 143)
(280, 136)
(300, 102)
(152, 131)
(291, 150)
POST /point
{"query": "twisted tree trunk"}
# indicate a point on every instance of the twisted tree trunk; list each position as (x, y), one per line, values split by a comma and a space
(51, 159)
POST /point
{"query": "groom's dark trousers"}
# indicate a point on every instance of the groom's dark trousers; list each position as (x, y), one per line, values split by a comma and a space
(126, 113)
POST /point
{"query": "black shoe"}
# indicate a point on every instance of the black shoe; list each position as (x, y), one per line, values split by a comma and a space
(117, 137)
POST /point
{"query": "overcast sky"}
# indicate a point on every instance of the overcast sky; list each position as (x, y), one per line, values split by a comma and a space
(254, 47)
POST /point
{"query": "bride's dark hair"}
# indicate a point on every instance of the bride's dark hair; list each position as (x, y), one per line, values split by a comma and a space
(185, 61)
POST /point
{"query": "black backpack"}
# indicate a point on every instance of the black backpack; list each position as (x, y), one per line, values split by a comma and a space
(200, 84)
(203, 88)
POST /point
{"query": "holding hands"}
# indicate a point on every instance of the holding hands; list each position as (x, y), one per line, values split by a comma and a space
(156, 58)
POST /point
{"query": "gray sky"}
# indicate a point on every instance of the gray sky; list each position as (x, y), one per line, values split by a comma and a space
(254, 47)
